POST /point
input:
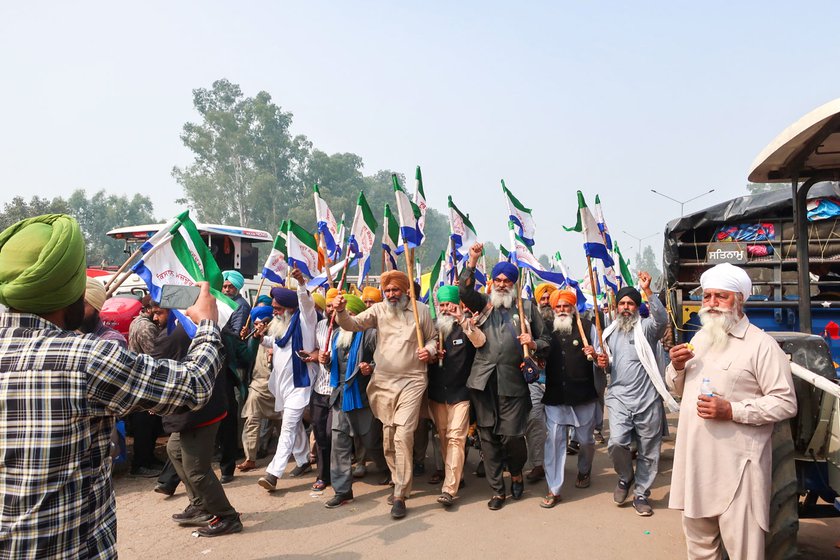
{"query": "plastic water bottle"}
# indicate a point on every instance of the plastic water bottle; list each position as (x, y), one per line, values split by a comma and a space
(706, 387)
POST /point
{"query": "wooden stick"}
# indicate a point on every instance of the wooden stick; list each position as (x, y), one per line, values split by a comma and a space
(595, 299)
(526, 351)
(583, 335)
(122, 268)
(409, 261)
(341, 283)
(259, 289)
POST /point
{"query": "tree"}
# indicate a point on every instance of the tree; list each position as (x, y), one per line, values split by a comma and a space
(647, 262)
(18, 209)
(247, 167)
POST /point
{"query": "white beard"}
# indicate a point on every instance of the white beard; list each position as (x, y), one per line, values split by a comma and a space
(396, 309)
(279, 325)
(626, 324)
(344, 339)
(445, 324)
(563, 324)
(716, 326)
(501, 299)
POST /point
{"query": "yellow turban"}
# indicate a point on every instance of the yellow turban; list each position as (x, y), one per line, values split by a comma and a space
(372, 293)
(541, 290)
(95, 293)
(42, 264)
(320, 301)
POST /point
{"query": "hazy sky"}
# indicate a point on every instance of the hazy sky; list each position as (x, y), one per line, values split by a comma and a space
(613, 98)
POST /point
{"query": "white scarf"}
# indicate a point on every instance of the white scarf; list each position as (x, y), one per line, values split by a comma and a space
(648, 360)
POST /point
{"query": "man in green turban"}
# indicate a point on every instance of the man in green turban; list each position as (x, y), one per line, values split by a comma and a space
(69, 389)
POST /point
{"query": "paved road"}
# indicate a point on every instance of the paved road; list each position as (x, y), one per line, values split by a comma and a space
(292, 523)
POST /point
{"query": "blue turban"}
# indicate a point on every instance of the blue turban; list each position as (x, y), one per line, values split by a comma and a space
(264, 300)
(506, 268)
(285, 297)
(261, 313)
(235, 278)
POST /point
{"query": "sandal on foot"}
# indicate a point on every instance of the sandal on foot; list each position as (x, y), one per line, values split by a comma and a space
(319, 485)
(550, 500)
(436, 478)
(445, 499)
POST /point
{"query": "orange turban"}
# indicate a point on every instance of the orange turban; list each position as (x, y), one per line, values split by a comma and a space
(542, 289)
(566, 295)
(372, 293)
(395, 278)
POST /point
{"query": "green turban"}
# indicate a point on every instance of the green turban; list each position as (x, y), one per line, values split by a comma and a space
(448, 294)
(42, 264)
(354, 303)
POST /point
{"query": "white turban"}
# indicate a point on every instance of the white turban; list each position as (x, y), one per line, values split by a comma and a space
(727, 277)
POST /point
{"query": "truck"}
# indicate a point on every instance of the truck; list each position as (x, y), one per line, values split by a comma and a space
(779, 238)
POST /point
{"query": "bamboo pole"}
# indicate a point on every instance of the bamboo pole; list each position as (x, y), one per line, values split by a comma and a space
(526, 350)
(595, 298)
(409, 261)
(122, 268)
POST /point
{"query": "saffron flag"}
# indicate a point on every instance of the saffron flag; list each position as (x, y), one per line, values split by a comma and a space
(390, 238)
(302, 250)
(593, 242)
(521, 216)
(276, 266)
(178, 255)
(326, 224)
(409, 215)
(461, 230)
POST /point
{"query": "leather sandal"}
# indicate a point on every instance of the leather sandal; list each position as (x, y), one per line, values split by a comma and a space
(550, 500)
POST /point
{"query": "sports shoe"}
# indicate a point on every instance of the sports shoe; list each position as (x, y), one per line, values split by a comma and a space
(339, 500)
(621, 491)
(192, 515)
(300, 470)
(268, 481)
(583, 480)
(398, 509)
(219, 526)
(642, 507)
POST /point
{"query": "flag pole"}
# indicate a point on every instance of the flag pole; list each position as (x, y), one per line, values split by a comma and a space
(340, 284)
(259, 289)
(595, 299)
(149, 253)
(138, 251)
(526, 351)
(409, 261)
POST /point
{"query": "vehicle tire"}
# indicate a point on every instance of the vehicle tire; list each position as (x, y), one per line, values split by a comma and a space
(784, 498)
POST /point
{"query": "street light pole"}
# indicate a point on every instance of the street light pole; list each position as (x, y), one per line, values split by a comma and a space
(639, 239)
(682, 203)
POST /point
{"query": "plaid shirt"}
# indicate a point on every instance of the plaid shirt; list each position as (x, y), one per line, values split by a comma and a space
(59, 394)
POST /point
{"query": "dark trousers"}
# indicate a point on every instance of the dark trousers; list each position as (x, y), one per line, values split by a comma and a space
(320, 412)
(191, 453)
(498, 450)
(169, 476)
(145, 429)
(229, 428)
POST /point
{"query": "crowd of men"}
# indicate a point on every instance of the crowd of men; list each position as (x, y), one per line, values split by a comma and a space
(364, 374)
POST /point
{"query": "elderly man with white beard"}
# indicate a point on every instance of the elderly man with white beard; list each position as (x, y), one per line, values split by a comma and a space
(723, 458)
(293, 335)
(570, 398)
(498, 390)
(399, 382)
(636, 393)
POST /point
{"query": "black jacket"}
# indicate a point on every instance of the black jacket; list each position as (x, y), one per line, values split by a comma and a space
(448, 384)
(569, 376)
(175, 347)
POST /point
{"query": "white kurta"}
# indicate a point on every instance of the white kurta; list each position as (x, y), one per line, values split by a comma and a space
(281, 382)
(711, 456)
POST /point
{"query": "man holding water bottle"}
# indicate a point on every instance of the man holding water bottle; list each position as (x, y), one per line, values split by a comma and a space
(742, 384)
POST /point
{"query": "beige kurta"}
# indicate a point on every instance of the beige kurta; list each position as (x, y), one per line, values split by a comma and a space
(711, 456)
(398, 370)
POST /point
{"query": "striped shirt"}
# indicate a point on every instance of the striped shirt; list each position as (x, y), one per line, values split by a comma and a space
(59, 394)
(322, 380)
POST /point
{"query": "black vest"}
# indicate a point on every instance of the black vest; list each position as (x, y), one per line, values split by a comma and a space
(569, 376)
(448, 384)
